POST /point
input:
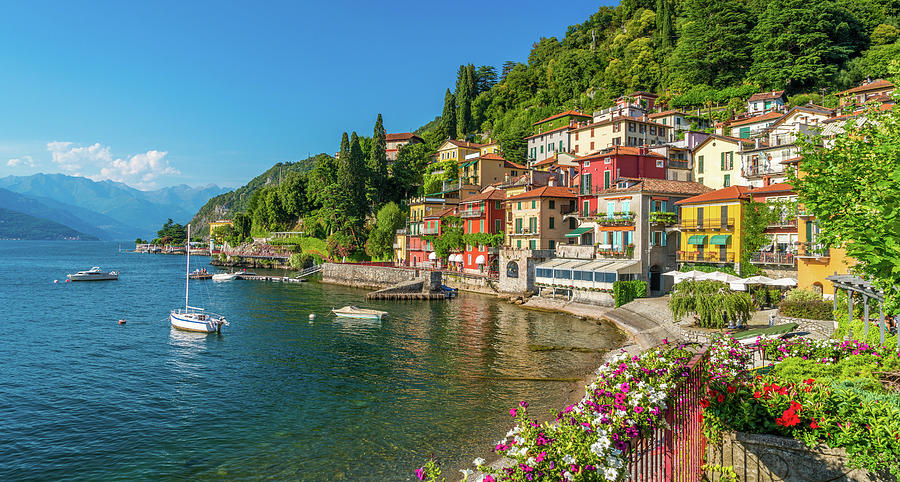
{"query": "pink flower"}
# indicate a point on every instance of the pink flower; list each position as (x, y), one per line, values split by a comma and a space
(488, 478)
(540, 457)
(420, 473)
(512, 412)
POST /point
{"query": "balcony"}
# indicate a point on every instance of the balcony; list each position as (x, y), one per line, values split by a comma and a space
(615, 254)
(790, 222)
(430, 231)
(676, 164)
(617, 219)
(586, 214)
(451, 185)
(663, 217)
(472, 213)
(704, 257)
(759, 171)
(566, 209)
(784, 259)
(713, 224)
(525, 232)
(813, 250)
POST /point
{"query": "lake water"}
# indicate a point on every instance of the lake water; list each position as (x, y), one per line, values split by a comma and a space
(273, 396)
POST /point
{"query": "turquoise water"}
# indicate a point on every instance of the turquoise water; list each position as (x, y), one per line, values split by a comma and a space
(273, 396)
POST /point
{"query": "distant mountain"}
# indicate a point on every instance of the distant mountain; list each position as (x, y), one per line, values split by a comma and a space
(79, 219)
(122, 209)
(226, 205)
(16, 225)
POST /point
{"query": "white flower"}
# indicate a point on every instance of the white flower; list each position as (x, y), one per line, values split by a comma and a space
(597, 449)
(478, 462)
(466, 473)
(568, 459)
(530, 462)
(611, 473)
(568, 475)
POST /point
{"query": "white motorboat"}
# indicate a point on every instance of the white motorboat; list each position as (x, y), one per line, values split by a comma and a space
(224, 276)
(93, 274)
(360, 313)
(192, 318)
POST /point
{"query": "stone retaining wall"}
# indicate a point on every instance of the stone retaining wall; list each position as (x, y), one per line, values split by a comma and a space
(765, 458)
(820, 328)
(473, 284)
(376, 277)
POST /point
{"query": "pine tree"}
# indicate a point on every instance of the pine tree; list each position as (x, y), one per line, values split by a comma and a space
(377, 164)
(448, 118)
(487, 78)
(463, 102)
(506, 69)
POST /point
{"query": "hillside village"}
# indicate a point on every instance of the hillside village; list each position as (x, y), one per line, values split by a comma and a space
(631, 192)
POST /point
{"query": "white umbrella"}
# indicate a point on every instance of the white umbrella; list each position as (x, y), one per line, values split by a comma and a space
(738, 285)
(432, 256)
(787, 282)
(723, 277)
(758, 280)
(674, 273)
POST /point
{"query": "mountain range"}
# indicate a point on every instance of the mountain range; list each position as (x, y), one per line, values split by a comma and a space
(105, 209)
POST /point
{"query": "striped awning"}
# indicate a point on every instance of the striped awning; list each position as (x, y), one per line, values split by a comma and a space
(697, 239)
(720, 239)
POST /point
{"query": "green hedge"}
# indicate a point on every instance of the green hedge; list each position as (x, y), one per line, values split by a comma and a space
(812, 310)
(626, 291)
(859, 328)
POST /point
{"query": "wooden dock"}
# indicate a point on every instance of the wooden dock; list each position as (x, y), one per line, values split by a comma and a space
(275, 279)
(405, 296)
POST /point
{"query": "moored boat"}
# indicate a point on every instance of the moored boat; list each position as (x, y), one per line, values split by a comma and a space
(93, 274)
(224, 276)
(360, 313)
(192, 318)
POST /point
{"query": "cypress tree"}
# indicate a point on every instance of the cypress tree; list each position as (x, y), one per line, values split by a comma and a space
(356, 181)
(448, 118)
(377, 164)
(665, 19)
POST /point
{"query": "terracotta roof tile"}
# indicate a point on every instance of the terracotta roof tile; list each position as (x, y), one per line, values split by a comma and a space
(755, 119)
(492, 194)
(466, 144)
(400, 136)
(874, 85)
(546, 191)
(772, 189)
(621, 118)
(620, 150)
(725, 194)
(766, 95)
(646, 184)
(665, 113)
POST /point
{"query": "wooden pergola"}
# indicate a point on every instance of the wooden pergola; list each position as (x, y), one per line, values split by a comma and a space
(853, 284)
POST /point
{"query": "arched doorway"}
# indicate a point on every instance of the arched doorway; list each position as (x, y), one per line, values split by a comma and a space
(817, 287)
(512, 269)
(655, 278)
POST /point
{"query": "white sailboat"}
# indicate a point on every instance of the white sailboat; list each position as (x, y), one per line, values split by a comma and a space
(192, 318)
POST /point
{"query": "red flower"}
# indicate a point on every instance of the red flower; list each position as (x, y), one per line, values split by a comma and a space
(813, 424)
(757, 394)
(720, 398)
(731, 389)
(809, 381)
(704, 402)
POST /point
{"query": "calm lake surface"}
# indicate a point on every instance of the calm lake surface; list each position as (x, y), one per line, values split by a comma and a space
(273, 396)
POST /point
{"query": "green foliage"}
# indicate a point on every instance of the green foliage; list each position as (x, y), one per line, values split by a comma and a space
(140, 241)
(705, 268)
(16, 225)
(176, 233)
(757, 217)
(450, 239)
(813, 310)
(859, 329)
(484, 239)
(711, 302)
(798, 295)
(407, 172)
(381, 237)
(853, 189)
(300, 260)
(625, 292)
(377, 180)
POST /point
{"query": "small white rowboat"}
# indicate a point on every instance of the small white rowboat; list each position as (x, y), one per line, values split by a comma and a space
(361, 313)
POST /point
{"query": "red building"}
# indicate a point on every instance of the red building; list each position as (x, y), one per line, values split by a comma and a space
(482, 213)
(597, 171)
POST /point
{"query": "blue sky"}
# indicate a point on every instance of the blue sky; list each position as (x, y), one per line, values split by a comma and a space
(163, 93)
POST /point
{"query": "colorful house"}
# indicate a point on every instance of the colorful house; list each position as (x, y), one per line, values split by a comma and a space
(598, 171)
(717, 161)
(417, 227)
(878, 89)
(815, 260)
(766, 101)
(748, 127)
(782, 231)
(617, 131)
(456, 150)
(562, 119)
(551, 135)
(482, 213)
(393, 143)
(534, 219)
(710, 226)
(488, 169)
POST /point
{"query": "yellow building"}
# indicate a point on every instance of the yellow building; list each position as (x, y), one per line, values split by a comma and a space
(717, 162)
(489, 169)
(218, 224)
(816, 261)
(456, 150)
(491, 147)
(711, 226)
(535, 218)
(400, 250)
(421, 207)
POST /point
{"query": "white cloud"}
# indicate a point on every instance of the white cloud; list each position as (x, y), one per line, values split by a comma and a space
(26, 161)
(97, 162)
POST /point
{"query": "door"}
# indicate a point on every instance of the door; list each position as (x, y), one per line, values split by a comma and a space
(723, 253)
(654, 279)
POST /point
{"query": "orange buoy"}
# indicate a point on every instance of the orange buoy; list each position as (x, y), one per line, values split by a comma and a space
(122, 321)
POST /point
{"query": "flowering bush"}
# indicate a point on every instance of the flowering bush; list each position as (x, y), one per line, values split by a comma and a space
(589, 440)
(803, 397)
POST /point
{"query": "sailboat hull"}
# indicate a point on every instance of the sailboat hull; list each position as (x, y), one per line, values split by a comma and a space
(190, 322)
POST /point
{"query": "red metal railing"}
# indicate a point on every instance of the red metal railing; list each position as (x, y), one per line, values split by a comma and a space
(674, 454)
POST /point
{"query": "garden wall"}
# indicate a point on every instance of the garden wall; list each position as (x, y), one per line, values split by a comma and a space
(765, 458)
(375, 277)
(473, 284)
(820, 328)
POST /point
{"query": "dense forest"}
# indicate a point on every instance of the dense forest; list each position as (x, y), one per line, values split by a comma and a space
(693, 53)
(16, 225)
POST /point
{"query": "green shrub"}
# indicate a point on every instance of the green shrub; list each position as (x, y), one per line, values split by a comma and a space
(626, 291)
(708, 269)
(802, 295)
(812, 310)
(712, 303)
(859, 328)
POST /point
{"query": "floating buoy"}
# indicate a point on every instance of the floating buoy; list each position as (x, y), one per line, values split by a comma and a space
(122, 321)
(68, 280)
(55, 281)
(312, 316)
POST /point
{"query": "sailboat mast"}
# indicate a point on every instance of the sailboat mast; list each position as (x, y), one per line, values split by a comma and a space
(187, 273)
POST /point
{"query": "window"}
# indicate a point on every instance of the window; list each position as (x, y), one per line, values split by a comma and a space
(631, 127)
(587, 163)
(532, 244)
(642, 128)
(610, 208)
(552, 204)
(606, 175)
(660, 163)
(512, 268)
(572, 223)
(727, 180)
(496, 204)
(576, 148)
(652, 130)
(551, 223)
(608, 160)
(496, 226)
(700, 165)
(518, 225)
(576, 137)
(552, 244)
(626, 206)
(518, 245)
(470, 259)
(481, 227)
(592, 132)
(560, 146)
(700, 180)
(616, 127)
(592, 145)
(533, 204)
(542, 148)
(617, 141)
(519, 205)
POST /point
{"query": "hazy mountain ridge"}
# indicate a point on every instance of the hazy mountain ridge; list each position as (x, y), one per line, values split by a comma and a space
(107, 209)
(16, 225)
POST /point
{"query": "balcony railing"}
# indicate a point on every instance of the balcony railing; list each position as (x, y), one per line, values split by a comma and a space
(617, 219)
(753, 171)
(787, 259)
(472, 213)
(709, 223)
(614, 254)
(587, 213)
(566, 209)
(525, 232)
(430, 231)
(705, 257)
(676, 164)
(784, 223)
(452, 185)
(813, 250)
